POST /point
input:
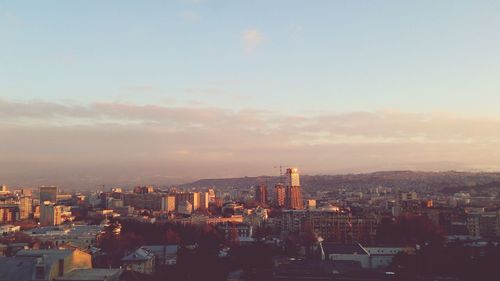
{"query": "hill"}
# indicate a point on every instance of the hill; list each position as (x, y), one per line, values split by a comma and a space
(449, 180)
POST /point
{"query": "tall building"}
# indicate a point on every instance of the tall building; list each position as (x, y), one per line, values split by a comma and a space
(48, 193)
(185, 207)
(261, 194)
(401, 200)
(192, 197)
(9, 213)
(168, 203)
(50, 214)
(293, 195)
(204, 199)
(150, 201)
(211, 195)
(25, 207)
(279, 190)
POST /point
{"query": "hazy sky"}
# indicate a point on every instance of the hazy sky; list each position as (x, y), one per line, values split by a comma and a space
(112, 92)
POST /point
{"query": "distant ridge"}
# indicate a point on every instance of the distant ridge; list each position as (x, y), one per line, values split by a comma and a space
(399, 179)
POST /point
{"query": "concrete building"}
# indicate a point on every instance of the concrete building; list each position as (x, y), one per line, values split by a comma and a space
(280, 194)
(311, 204)
(211, 195)
(261, 194)
(149, 201)
(483, 224)
(293, 195)
(192, 197)
(7, 229)
(141, 260)
(346, 252)
(48, 193)
(168, 203)
(236, 231)
(49, 264)
(25, 207)
(164, 254)
(382, 256)
(331, 224)
(54, 265)
(204, 200)
(94, 274)
(403, 199)
(77, 236)
(9, 213)
(50, 214)
(4, 190)
(185, 208)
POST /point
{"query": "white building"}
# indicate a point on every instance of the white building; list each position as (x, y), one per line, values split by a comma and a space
(381, 257)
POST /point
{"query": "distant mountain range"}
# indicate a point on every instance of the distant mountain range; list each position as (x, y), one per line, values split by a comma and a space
(449, 180)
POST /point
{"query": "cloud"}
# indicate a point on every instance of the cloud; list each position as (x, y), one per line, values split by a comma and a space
(251, 38)
(82, 145)
(190, 16)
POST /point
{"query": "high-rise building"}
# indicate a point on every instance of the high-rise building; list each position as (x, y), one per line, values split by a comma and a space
(401, 200)
(48, 193)
(279, 190)
(261, 194)
(25, 207)
(293, 195)
(185, 207)
(168, 203)
(211, 195)
(9, 213)
(191, 197)
(204, 199)
(50, 214)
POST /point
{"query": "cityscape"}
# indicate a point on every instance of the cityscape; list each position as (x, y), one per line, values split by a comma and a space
(251, 140)
(274, 229)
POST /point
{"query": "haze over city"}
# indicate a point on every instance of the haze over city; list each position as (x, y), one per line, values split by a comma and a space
(168, 92)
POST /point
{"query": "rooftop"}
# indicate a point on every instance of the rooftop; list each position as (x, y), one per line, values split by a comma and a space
(344, 249)
(140, 254)
(94, 274)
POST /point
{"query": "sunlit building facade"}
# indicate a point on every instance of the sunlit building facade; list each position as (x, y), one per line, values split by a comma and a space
(293, 195)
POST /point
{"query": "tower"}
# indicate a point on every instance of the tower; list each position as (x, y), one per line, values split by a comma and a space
(293, 195)
(48, 193)
(280, 194)
(261, 194)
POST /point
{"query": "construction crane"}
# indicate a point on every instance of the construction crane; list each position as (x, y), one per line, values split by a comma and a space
(281, 169)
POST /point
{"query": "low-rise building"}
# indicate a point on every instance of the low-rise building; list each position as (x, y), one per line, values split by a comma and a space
(141, 260)
(54, 265)
(9, 229)
(164, 254)
(343, 252)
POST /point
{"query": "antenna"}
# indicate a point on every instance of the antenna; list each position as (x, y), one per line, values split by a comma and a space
(281, 169)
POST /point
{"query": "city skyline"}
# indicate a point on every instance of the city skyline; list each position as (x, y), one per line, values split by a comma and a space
(167, 93)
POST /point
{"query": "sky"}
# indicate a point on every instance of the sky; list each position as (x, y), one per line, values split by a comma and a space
(164, 92)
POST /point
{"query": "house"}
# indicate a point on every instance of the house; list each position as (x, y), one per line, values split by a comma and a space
(141, 260)
(164, 254)
(57, 265)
